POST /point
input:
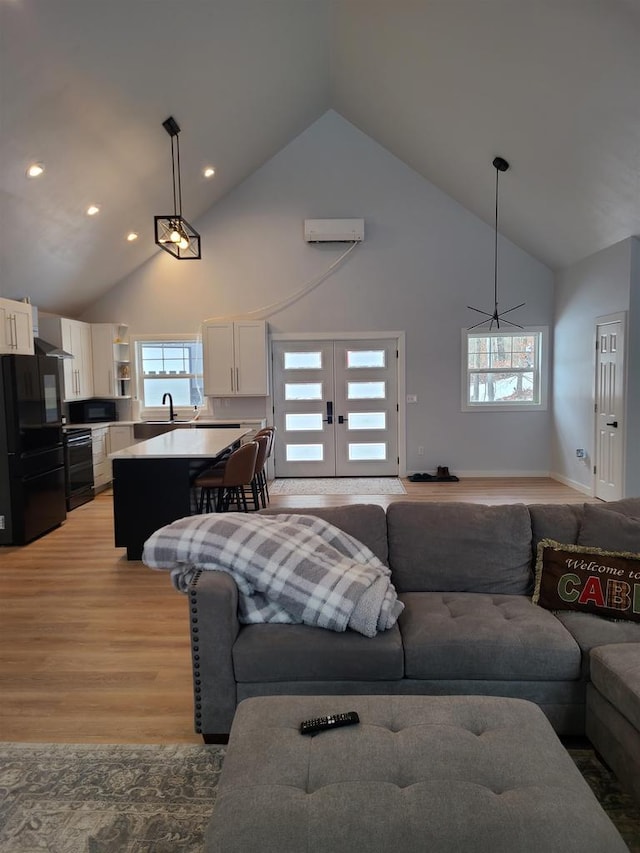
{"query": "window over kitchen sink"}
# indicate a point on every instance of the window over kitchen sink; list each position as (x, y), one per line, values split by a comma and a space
(172, 364)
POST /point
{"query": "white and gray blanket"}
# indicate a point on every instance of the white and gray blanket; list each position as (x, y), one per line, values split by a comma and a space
(288, 568)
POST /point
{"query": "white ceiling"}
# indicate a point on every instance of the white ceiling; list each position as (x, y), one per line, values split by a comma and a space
(446, 85)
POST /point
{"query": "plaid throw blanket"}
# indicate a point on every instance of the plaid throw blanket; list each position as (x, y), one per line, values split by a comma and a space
(288, 568)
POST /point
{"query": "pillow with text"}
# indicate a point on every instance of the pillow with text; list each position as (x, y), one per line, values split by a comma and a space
(588, 579)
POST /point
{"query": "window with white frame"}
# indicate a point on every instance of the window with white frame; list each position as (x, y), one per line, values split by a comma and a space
(172, 364)
(504, 370)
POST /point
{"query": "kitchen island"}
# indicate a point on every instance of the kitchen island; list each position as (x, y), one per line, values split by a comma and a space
(152, 480)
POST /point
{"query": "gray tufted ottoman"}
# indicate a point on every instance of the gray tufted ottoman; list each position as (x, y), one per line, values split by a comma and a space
(420, 773)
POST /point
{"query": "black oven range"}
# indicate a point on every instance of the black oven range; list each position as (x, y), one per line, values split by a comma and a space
(78, 460)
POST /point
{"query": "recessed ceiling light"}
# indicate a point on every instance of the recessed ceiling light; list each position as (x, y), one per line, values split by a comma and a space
(209, 172)
(35, 170)
(131, 236)
(93, 209)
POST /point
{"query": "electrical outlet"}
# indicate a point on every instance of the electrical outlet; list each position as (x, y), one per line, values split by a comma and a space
(421, 451)
(412, 398)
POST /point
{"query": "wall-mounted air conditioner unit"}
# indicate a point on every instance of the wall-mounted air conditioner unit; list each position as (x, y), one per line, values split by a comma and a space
(334, 230)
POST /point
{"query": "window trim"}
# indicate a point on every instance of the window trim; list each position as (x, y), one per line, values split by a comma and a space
(542, 370)
(159, 412)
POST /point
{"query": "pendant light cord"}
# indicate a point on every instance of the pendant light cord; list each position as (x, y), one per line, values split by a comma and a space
(179, 177)
(495, 249)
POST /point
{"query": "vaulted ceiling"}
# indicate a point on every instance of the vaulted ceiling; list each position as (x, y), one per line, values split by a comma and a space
(446, 85)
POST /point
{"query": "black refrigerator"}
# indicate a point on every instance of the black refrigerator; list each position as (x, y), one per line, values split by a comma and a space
(32, 487)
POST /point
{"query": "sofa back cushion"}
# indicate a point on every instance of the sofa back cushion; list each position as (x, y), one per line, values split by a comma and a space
(560, 522)
(365, 522)
(563, 522)
(460, 547)
(612, 531)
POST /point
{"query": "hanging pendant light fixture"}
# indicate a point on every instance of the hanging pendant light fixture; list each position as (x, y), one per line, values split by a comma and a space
(500, 165)
(172, 231)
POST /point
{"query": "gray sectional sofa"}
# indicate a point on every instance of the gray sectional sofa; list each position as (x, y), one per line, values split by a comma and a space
(465, 575)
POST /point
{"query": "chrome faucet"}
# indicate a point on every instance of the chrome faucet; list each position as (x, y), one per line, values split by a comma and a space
(164, 400)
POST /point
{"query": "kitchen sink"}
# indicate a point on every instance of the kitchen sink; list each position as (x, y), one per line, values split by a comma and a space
(150, 429)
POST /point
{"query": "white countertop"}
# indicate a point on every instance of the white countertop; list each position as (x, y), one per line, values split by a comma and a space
(183, 444)
(191, 423)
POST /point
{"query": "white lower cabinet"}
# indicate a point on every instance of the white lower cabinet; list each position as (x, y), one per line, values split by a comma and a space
(120, 436)
(101, 461)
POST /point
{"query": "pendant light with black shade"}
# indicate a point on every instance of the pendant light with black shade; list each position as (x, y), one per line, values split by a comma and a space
(500, 165)
(172, 231)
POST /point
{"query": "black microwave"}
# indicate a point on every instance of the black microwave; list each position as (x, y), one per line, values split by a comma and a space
(92, 411)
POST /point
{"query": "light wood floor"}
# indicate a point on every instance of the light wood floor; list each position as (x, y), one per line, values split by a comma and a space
(95, 649)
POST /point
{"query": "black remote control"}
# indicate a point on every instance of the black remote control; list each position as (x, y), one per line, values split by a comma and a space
(320, 724)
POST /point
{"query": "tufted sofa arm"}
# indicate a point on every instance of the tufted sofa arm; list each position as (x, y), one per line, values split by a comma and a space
(214, 626)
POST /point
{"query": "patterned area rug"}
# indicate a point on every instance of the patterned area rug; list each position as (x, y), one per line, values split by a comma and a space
(338, 486)
(106, 799)
(158, 799)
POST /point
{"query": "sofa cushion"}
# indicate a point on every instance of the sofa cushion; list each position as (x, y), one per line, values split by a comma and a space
(268, 653)
(615, 671)
(612, 531)
(563, 522)
(590, 631)
(555, 521)
(460, 547)
(473, 636)
(365, 522)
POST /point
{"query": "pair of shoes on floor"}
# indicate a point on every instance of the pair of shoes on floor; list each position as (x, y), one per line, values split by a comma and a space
(420, 478)
(443, 471)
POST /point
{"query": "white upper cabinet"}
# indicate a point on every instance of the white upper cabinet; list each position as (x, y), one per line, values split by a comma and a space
(16, 327)
(111, 367)
(74, 336)
(235, 359)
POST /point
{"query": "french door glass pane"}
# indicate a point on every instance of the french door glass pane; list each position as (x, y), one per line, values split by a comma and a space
(303, 391)
(367, 451)
(366, 390)
(303, 361)
(367, 420)
(366, 358)
(311, 421)
(304, 453)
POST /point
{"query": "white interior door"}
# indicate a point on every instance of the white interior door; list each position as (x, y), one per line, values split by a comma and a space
(336, 408)
(609, 410)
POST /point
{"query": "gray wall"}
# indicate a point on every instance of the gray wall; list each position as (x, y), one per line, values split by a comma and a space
(424, 259)
(632, 473)
(604, 283)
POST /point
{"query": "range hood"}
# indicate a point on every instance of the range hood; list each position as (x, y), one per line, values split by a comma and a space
(43, 347)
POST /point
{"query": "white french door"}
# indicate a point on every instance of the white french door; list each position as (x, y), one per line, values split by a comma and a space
(609, 410)
(335, 408)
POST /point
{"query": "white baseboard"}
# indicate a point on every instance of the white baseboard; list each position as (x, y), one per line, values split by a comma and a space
(573, 484)
(472, 474)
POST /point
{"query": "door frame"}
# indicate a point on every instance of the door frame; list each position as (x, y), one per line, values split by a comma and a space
(400, 338)
(621, 317)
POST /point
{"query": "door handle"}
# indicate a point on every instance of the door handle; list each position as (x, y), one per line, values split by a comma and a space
(613, 424)
(329, 411)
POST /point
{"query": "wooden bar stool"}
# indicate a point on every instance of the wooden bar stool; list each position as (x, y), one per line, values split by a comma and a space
(258, 489)
(228, 483)
(270, 432)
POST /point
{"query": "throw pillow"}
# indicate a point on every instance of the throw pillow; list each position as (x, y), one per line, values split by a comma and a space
(587, 579)
(610, 530)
